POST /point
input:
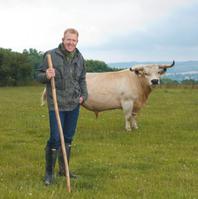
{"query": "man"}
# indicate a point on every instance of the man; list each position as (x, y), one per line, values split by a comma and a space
(70, 79)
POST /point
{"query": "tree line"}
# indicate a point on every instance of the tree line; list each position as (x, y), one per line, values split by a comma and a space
(168, 81)
(17, 69)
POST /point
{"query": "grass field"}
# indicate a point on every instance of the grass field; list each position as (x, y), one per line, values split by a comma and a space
(157, 161)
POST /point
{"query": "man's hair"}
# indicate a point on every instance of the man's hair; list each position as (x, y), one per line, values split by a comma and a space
(72, 31)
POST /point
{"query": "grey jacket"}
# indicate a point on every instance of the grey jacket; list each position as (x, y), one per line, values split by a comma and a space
(70, 79)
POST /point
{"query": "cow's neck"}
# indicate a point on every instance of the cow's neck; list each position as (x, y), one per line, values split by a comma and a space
(146, 88)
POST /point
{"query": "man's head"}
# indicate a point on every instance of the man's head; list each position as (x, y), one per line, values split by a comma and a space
(70, 39)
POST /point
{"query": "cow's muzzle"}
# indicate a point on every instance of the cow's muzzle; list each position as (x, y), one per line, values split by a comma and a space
(154, 81)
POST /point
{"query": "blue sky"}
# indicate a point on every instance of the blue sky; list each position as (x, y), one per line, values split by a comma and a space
(110, 30)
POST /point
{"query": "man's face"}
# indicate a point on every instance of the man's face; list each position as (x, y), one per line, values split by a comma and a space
(70, 41)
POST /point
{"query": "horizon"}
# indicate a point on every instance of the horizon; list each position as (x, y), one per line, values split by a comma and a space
(176, 61)
(115, 62)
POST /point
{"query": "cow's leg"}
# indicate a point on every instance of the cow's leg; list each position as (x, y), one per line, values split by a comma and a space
(127, 107)
(133, 121)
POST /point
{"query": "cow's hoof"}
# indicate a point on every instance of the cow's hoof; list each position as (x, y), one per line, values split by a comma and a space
(128, 129)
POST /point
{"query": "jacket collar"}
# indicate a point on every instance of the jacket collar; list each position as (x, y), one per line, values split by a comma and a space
(76, 56)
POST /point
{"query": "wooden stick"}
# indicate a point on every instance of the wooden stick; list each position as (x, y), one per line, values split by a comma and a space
(50, 65)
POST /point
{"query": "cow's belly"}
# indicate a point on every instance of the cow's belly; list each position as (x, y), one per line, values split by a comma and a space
(102, 103)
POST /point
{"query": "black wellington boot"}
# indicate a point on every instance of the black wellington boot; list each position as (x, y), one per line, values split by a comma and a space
(61, 161)
(50, 157)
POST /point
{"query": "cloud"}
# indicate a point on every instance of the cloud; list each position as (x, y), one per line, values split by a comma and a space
(109, 30)
(173, 36)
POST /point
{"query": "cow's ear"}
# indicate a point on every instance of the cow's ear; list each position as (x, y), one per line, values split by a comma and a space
(136, 71)
(131, 69)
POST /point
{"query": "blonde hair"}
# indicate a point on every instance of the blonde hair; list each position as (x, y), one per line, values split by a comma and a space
(72, 31)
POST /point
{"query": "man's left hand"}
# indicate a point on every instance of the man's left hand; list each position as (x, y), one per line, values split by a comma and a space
(81, 100)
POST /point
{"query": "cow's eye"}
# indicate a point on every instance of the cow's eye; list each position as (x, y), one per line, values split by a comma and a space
(161, 72)
(147, 74)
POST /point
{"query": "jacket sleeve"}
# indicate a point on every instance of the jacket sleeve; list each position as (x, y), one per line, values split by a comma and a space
(83, 83)
(41, 71)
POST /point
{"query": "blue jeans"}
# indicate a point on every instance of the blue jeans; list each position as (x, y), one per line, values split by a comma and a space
(68, 121)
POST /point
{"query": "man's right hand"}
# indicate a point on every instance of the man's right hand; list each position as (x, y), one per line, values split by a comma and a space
(50, 72)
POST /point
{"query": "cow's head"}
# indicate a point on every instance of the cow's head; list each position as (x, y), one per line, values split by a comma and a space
(151, 72)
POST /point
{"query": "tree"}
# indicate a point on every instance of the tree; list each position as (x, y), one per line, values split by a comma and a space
(97, 66)
(168, 81)
(15, 68)
(35, 59)
(189, 82)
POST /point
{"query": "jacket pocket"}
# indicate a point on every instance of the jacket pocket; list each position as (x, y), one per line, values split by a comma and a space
(77, 91)
(77, 70)
(59, 80)
(59, 84)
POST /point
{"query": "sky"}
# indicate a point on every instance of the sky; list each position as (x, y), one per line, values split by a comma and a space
(109, 30)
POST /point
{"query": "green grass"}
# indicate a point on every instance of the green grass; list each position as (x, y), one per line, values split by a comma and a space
(159, 160)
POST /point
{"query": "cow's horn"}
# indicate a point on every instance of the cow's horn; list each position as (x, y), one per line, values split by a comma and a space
(167, 66)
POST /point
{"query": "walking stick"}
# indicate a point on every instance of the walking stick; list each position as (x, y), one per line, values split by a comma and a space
(50, 65)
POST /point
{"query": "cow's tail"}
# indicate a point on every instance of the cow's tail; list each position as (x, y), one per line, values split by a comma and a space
(43, 97)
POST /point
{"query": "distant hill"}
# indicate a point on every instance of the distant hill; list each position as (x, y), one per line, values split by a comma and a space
(182, 69)
(179, 67)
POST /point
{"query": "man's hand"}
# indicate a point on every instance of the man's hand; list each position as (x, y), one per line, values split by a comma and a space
(50, 72)
(81, 100)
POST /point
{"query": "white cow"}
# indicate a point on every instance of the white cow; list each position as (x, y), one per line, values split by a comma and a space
(126, 89)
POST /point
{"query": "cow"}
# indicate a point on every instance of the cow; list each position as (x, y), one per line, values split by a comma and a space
(127, 89)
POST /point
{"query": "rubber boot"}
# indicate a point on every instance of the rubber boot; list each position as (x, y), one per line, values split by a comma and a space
(50, 157)
(61, 161)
